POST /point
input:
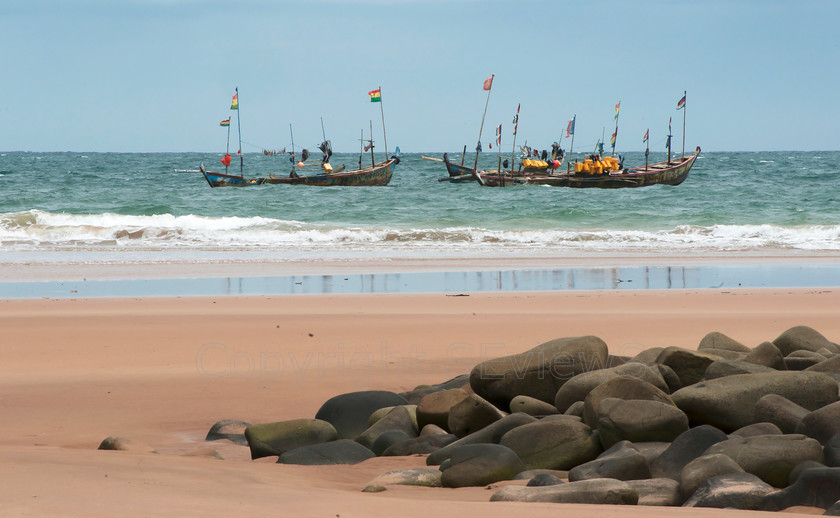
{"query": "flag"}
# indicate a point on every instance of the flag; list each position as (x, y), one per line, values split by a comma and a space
(225, 122)
(681, 103)
(645, 138)
(225, 160)
(499, 135)
(234, 104)
(375, 95)
(612, 139)
(488, 83)
(616, 110)
(516, 119)
(570, 129)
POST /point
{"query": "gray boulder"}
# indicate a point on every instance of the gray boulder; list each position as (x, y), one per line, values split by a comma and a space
(472, 414)
(349, 413)
(621, 387)
(343, 451)
(596, 491)
(490, 435)
(577, 388)
(422, 445)
(625, 463)
(425, 477)
(769, 457)
(830, 366)
(821, 424)
(802, 466)
(559, 444)
(684, 449)
(803, 360)
(728, 403)
(723, 368)
(531, 473)
(538, 372)
(576, 409)
(399, 418)
(766, 355)
(751, 430)
(434, 408)
(701, 469)
(803, 338)
(382, 412)
(638, 421)
(670, 377)
(388, 439)
(831, 451)
(544, 479)
(231, 429)
(480, 464)
(531, 406)
(690, 366)
(267, 439)
(780, 411)
(733, 490)
(815, 487)
(657, 491)
(716, 340)
(118, 443)
(834, 510)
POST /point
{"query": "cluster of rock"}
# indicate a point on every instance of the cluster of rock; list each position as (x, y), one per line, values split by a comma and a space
(724, 426)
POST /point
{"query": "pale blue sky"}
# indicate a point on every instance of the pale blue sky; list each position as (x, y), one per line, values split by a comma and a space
(157, 75)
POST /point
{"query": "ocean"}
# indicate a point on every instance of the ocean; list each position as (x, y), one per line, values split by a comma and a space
(115, 207)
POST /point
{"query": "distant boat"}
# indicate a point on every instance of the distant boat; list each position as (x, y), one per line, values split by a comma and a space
(375, 174)
(230, 179)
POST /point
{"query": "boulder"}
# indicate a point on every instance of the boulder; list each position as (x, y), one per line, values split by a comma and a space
(544, 479)
(803, 338)
(350, 413)
(649, 356)
(621, 387)
(231, 429)
(834, 510)
(531, 406)
(670, 377)
(803, 360)
(815, 487)
(595, 491)
(538, 372)
(716, 340)
(625, 463)
(434, 408)
(769, 457)
(117, 443)
(481, 464)
(690, 366)
(728, 403)
(342, 451)
(751, 430)
(471, 414)
(831, 366)
(723, 368)
(419, 392)
(531, 473)
(638, 421)
(387, 439)
(382, 412)
(425, 477)
(418, 446)
(732, 490)
(267, 439)
(576, 409)
(831, 451)
(559, 444)
(780, 411)
(657, 491)
(489, 435)
(432, 429)
(651, 450)
(821, 424)
(684, 449)
(767, 355)
(577, 388)
(399, 418)
(701, 469)
(802, 466)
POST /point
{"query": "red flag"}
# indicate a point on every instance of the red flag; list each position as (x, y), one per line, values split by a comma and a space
(645, 138)
(488, 83)
(681, 103)
(225, 160)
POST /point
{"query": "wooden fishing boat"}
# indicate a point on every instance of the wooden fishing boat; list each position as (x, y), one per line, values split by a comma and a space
(457, 172)
(667, 173)
(376, 174)
(217, 179)
(228, 178)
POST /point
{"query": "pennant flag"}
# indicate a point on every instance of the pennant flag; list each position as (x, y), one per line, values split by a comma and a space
(234, 105)
(616, 110)
(516, 119)
(681, 103)
(225, 160)
(375, 95)
(499, 135)
(612, 139)
(225, 122)
(645, 138)
(570, 129)
(488, 83)
(490, 145)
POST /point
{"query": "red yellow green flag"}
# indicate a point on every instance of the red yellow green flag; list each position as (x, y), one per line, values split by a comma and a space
(225, 122)
(375, 95)
(234, 105)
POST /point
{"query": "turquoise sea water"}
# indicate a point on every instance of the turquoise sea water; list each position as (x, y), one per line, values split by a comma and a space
(114, 204)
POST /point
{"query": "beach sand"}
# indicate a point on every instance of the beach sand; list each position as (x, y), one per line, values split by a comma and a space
(162, 371)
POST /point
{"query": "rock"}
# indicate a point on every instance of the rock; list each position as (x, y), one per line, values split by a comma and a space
(481, 464)
(624, 464)
(472, 414)
(802, 360)
(397, 419)
(425, 477)
(701, 469)
(559, 444)
(815, 487)
(349, 413)
(531, 406)
(489, 435)
(414, 396)
(831, 451)
(576, 409)
(230, 429)
(733, 490)
(728, 403)
(117, 443)
(834, 510)
(382, 412)
(690, 366)
(821, 424)
(716, 340)
(803, 338)
(621, 387)
(767, 355)
(657, 491)
(387, 439)
(649, 356)
(545, 479)
(780, 411)
(419, 446)
(343, 451)
(538, 372)
(684, 449)
(432, 429)
(638, 421)
(434, 408)
(831, 365)
(269, 439)
(723, 368)
(651, 450)
(756, 429)
(595, 491)
(531, 473)
(670, 377)
(769, 457)
(802, 466)
(577, 388)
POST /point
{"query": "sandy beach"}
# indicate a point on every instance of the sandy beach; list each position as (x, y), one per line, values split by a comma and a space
(162, 371)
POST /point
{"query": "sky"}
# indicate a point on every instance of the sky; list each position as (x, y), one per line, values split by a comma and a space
(158, 75)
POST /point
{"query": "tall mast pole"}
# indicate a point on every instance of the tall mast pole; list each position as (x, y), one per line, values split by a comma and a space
(685, 92)
(384, 135)
(481, 129)
(647, 147)
(227, 145)
(239, 129)
(615, 135)
(372, 159)
(513, 147)
(572, 145)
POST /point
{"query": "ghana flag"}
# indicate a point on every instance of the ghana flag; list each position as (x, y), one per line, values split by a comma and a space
(225, 122)
(375, 95)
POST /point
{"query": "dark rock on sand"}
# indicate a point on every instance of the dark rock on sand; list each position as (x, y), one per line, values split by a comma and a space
(701, 469)
(558, 444)
(528, 474)
(716, 340)
(343, 451)
(638, 421)
(481, 464)
(821, 424)
(117, 443)
(690, 366)
(834, 510)
(621, 387)
(472, 414)
(269, 439)
(803, 338)
(625, 463)
(751, 430)
(802, 466)
(349, 413)
(399, 418)
(733, 490)
(577, 388)
(388, 439)
(489, 435)
(419, 446)
(545, 479)
(531, 406)
(815, 487)
(767, 355)
(831, 451)
(780, 411)
(684, 449)
(434, 408)
(657, 491)
(230, 429)
(596, 491)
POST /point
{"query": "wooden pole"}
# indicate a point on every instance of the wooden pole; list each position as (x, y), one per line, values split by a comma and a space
(384, 136)
(239, 129)
(685, 92)
(647, 148)
(571, 146)
(612, 153)
(361, 147)
(372, 159)
(481, 129)
(464, 154)
(513, 150)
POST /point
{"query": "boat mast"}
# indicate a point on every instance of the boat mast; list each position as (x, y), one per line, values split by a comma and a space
(615, 135)
(685, 92)
(481, 129)
(384, 135)
(571, 127)
(239, 129)
(513, 150)
(227, 145)
(372, 159)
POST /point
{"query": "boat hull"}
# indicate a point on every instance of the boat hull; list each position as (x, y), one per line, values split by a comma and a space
(458, 173)
(376, 175)
(215, 179)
